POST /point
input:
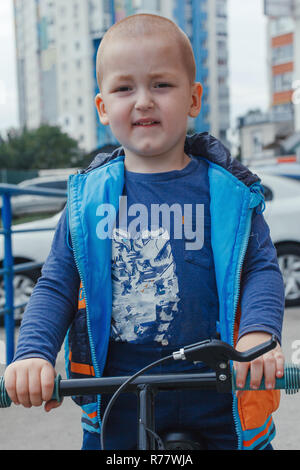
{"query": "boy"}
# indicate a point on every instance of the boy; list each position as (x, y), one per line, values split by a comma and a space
(147, 287)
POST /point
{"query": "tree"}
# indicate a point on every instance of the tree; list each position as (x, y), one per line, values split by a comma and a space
(44, 148)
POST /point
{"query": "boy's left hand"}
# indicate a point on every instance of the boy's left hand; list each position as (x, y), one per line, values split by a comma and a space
(270, 365)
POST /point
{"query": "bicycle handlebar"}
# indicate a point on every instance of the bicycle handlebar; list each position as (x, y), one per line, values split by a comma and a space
(290, 382)
(214, 353)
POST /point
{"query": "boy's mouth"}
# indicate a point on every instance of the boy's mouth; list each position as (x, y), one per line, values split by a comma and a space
(146, 123)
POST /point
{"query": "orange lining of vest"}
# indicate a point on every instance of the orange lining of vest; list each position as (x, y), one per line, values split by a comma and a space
(254, 407)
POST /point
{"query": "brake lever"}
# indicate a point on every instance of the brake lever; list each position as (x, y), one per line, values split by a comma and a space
(214, 351)
(217, 355)
(253, 353)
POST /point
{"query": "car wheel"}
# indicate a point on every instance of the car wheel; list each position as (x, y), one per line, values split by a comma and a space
(289, 263)
(23, 287)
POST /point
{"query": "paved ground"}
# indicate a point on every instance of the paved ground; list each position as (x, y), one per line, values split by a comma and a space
(287, 418)
(33, 429)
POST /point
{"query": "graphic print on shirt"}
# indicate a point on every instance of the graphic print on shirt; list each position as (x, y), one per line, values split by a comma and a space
(145, 286)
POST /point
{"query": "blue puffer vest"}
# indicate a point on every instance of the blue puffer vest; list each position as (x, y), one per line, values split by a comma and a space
(235, 192)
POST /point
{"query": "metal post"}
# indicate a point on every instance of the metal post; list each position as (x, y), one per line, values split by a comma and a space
(8, 264)
(112, 11)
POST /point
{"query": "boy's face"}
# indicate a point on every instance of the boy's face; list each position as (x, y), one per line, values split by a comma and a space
(146, 96)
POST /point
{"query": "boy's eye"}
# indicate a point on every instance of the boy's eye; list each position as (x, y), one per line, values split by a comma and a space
(162, 85)
(123, 88)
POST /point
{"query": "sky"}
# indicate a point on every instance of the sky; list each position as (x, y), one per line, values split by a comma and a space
(247, 56)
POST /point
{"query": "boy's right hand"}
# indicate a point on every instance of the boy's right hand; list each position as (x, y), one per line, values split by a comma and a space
(30, 382)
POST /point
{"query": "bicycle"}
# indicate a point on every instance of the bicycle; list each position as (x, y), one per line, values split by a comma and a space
(214, 353)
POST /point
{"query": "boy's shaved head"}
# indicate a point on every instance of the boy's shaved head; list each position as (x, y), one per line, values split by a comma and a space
(147, 25)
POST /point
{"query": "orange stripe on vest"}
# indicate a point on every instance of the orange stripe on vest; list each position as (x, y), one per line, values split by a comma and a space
(84, 369)
(91, 415)
(261, 434)
(81, 299)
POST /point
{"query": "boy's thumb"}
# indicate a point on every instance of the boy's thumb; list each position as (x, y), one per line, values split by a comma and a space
(51, 404)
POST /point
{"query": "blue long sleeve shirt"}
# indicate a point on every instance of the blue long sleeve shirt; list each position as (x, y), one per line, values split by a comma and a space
(182, 295)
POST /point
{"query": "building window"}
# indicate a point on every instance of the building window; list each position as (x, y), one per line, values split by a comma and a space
(222, 47)
(282, 82)
(222, 61)
(282, 54)
(257, 142)
(221, 27)
(221, 9)
(281, 26)
(75, 10)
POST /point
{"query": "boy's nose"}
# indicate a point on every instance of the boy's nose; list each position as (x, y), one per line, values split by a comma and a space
(144, 101)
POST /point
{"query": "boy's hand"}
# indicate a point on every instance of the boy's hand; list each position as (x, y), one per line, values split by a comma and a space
(270, 365)
(30, 382)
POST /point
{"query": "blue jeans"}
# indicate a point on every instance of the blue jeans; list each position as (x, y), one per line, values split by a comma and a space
(208, 414)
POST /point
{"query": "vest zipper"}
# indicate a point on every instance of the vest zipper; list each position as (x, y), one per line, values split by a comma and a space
(236, 298)
(256, 199)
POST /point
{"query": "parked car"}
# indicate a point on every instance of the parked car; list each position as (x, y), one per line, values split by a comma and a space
(282, 195)
(28, 247)
(31, 204)
(290, 170)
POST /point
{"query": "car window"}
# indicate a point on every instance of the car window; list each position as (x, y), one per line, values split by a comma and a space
(268, 193)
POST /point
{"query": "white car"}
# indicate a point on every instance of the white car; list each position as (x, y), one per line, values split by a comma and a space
(291, 170)
(282, 215)
(282, 195)
(32, 203)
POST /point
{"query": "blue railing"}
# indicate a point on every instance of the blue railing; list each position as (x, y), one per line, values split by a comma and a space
(9, 269)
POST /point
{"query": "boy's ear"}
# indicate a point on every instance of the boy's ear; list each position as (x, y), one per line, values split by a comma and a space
(197, 91)
(101, 110)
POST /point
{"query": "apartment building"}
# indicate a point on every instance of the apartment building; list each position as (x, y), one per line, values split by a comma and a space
(281, 44)
(264, 135)
(57, 42)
